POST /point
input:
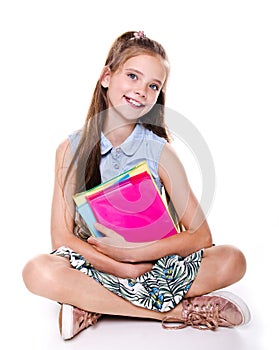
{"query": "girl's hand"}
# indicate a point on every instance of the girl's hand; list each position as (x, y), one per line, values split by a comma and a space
(113, 244)
(110, 237)
(129, 270)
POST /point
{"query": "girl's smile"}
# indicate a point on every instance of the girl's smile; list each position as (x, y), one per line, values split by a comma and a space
(133, 103)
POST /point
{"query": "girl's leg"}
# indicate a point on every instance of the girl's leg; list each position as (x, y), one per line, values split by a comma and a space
(221, 266)
(53, 277)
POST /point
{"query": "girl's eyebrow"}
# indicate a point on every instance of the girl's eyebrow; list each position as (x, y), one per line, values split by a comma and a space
(140, 73)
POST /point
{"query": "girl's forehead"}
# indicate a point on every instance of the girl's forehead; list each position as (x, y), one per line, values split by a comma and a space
(142, 59)
(148, 65)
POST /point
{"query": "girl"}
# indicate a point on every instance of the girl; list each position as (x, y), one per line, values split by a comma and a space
(168, 279)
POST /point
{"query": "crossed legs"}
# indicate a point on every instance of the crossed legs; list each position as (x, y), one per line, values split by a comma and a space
(53, 277)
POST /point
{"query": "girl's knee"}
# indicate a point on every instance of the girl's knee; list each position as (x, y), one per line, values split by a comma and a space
(236, 262)
(33, 271)
(241, 262)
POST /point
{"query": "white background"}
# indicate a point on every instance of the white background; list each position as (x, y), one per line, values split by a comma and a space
(224, 79)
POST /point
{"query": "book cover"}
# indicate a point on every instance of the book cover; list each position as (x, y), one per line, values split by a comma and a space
(133, 207)
(82, 205)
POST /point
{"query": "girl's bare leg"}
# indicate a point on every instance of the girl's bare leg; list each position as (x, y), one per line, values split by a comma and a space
(53, 277)
(221, 266)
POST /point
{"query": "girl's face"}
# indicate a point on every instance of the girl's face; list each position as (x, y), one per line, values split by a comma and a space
(134, 88)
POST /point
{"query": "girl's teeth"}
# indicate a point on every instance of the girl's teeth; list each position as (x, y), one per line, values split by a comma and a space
(134, 103)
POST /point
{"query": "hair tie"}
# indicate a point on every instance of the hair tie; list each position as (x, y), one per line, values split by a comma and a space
(139, 35)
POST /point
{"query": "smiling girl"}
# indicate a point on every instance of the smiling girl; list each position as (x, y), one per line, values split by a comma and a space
(168, 279)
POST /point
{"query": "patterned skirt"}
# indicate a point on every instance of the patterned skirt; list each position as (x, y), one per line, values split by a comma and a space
(160, 289)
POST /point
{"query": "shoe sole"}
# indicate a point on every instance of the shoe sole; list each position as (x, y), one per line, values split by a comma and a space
(243, 308)
(66, 321)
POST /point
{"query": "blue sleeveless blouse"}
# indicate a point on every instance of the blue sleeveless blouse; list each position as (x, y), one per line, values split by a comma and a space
(141, 144)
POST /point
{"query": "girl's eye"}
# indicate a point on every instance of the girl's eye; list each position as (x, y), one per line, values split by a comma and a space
(132, 76)
(154, 87)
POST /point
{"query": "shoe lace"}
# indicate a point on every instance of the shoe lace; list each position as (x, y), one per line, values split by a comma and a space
(203, 318)
(88, 319)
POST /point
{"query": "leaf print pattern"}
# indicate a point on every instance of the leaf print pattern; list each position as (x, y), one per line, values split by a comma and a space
(160, 289)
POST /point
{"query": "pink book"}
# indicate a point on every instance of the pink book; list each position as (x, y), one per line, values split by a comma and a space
(134, 209)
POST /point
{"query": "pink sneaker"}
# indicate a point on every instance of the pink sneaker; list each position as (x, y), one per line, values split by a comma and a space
(73, 320)
(211, 311)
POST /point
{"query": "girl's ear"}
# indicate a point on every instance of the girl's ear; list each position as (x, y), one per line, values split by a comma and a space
(105, 77)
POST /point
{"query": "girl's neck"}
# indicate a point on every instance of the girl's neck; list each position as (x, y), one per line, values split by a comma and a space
(117, 132)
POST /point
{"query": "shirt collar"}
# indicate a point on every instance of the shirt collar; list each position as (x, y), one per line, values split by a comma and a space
(129, 146)
(106, 145)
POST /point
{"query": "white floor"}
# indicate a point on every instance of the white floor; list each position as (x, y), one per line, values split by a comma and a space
(119, 333)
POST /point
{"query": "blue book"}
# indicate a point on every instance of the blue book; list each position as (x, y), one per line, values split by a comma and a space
(89, 218)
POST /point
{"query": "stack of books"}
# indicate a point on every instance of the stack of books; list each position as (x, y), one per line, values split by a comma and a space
(130, 204)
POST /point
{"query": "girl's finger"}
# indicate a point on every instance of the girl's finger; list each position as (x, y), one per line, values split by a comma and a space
(106, 231)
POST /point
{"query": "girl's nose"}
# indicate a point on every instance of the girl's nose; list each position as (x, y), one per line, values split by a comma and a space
(141, 90)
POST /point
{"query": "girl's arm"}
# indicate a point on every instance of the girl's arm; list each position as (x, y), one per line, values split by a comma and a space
(62, 226)
(197, 234)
